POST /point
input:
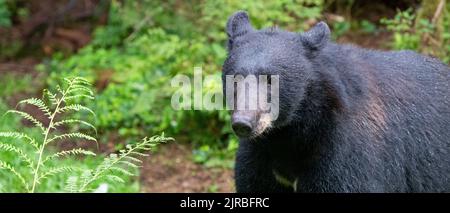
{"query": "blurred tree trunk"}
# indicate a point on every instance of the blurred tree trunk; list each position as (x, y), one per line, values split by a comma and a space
(433, 12)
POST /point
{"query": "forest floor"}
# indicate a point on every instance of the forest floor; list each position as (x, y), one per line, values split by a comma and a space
(171, 169)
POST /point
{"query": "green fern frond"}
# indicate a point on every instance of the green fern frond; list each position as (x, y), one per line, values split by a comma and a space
(29, 117)
(22, 155)
(38, 103)
(115, 178)
(86, 176)
(127, 163)
(77, 81)
(77, 151)
(72, 135)
(79, 96)
(121, 170)
(112, 168)
(20, 135)
(109, 163)
(131, 158)
(139, 154)
(75, 107)
(8, 167)
(80, 89)
(56, 170)
(71, 184)
(60, 90)
(70, 121)
(51, 96)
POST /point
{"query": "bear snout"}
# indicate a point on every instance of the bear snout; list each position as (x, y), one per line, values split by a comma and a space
(243, 123)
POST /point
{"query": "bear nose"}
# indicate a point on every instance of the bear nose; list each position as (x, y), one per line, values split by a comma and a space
(242, 127)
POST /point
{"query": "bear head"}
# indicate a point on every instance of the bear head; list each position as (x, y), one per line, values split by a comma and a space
(276, 54)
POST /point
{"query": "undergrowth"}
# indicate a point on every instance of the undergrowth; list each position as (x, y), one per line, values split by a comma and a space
(38, 162)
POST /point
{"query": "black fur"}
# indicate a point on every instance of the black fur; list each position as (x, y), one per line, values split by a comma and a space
(351, 119)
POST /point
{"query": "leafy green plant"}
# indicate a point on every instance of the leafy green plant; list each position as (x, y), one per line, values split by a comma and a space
(408, 31)
(112, 165)
(40, 162)
(11, 83)
(368, 27)
(5, 14)
(340, 28)
(402, 25)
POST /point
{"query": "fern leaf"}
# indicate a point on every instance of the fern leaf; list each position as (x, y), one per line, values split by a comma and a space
(139, 154)
(127, 163)
(80, 89)
(29, 117)
(60, 90)
(86, 175)
(20, 135)
(131, 158)
(38, 103)
(65, 153)
(79, 81)
(70, 121)
(72, 135)
(75, 107)
(115, 178)
(51, 97)
(8, 167)
(78, 96)
(110, 163)
(56, 170)
(71, 184)
(22, 155)
(121, 170)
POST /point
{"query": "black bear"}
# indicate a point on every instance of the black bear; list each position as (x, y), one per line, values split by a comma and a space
(350, 119)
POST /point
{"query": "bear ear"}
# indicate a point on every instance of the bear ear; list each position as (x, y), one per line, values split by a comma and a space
(238, 25)
(317, 37)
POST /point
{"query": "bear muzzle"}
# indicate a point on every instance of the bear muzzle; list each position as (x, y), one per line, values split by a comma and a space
(244, 122)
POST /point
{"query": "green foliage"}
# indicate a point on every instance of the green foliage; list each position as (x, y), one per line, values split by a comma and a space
(111, 169)
(340, 28)
(407, 31)
(34, 163)
(146, 43)
(11, 84)
(368, 27)
(402, 25)
(446, 34)
(5, 14)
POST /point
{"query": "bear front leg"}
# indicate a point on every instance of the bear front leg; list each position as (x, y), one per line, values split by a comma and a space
(253, 170)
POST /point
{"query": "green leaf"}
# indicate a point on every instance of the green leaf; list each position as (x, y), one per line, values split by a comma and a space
(56, 170)
(72, 135)
(29, 117)
(8, 167)
(70, 121)
(115, 178)
(20, 135)
(22, 155)
(75, 107)
(65, 153)
(38, 103)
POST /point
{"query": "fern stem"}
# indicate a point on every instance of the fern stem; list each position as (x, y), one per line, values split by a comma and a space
(98, 174)
(47, 132)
